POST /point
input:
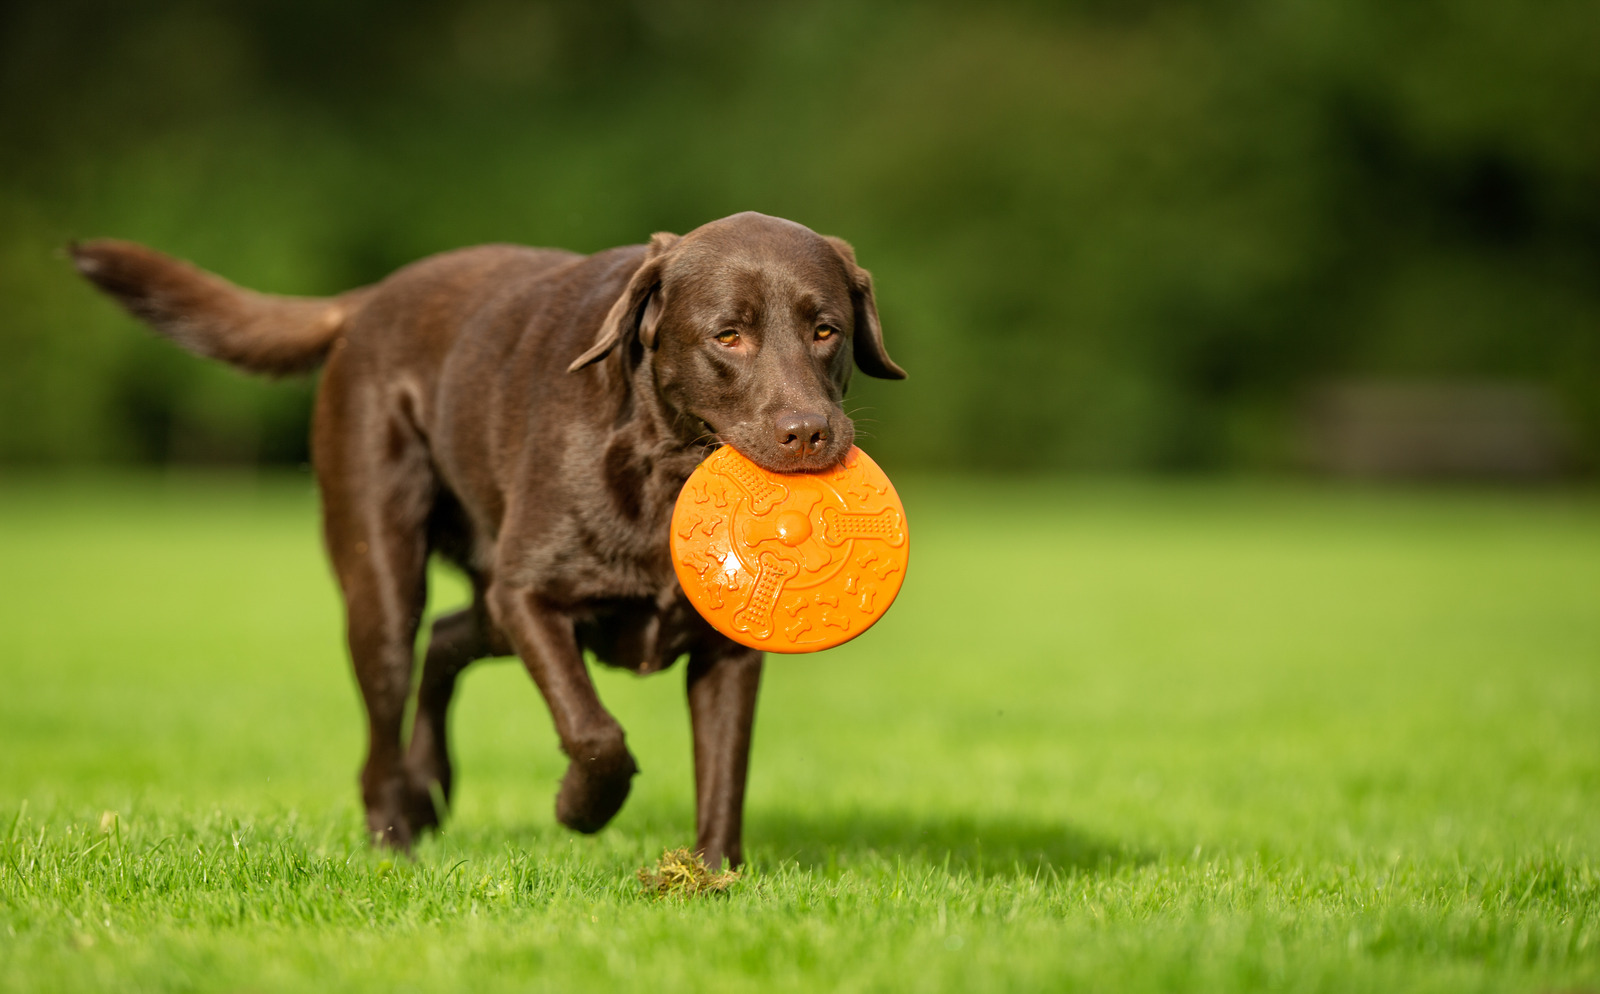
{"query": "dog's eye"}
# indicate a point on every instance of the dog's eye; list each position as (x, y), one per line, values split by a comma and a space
(729, 337)
(824, 333)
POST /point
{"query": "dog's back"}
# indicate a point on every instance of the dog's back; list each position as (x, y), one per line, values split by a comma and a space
(280, 335)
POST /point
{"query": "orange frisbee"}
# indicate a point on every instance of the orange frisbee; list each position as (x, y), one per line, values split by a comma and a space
(789, 562)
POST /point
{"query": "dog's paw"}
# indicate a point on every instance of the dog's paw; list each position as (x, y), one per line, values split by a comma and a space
(389, 829)
(596, 784)
(400, 811)
(420, 804)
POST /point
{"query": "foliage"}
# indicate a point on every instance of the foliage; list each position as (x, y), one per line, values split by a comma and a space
(1106, 235)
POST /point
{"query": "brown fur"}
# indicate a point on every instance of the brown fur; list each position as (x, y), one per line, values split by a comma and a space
(531, 415)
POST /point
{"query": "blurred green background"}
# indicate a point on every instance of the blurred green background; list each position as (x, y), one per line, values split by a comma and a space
(1107, 236)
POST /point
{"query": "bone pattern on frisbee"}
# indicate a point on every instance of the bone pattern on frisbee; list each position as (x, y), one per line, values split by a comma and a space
(791, 562)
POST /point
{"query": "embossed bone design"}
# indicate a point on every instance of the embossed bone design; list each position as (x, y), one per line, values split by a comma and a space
(693, 519)
(763, 493)
(791, 524)
(839, 527)
(756, 615)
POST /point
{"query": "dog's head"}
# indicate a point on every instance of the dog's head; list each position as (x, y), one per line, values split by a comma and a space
(750, 326)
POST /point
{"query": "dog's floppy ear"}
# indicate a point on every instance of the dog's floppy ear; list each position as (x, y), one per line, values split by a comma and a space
(637, 310)
(871, 357)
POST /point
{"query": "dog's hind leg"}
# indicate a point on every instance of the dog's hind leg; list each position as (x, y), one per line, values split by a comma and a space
(459, 639)
(377, 490)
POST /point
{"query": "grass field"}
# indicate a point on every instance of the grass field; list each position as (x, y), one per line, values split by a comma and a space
(1112, 737)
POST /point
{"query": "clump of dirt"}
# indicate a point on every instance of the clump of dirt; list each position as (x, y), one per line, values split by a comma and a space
(681, 873)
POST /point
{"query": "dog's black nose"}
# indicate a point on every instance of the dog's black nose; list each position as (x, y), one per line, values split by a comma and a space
(801, 433)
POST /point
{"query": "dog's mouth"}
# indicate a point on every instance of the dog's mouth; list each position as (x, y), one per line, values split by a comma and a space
(706, 436)
(747, 442)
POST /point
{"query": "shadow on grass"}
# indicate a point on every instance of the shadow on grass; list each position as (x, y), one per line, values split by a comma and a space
(977, 845)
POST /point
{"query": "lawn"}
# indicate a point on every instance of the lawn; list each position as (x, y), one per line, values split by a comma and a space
(1113, 737)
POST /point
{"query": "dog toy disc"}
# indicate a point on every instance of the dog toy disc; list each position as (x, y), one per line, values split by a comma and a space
(789, 562)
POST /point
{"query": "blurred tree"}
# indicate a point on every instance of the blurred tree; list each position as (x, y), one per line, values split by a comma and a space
(1105, 235)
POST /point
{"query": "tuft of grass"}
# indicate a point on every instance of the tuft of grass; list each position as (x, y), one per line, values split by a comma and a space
(681, 873)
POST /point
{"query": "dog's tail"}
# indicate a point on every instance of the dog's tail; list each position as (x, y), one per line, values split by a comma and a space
(204, 313)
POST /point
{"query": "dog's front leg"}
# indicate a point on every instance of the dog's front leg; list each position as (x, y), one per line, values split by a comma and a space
(601, 768)
(722, 707)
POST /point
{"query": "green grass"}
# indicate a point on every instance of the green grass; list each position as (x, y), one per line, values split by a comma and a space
(1111, 738)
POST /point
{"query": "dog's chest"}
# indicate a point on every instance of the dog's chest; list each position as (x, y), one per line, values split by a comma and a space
(598, 531)
(642, 635)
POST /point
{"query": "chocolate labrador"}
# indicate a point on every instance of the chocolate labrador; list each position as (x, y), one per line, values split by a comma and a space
(531, 415)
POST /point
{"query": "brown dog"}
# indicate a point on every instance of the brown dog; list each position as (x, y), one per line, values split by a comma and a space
(531, 415)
